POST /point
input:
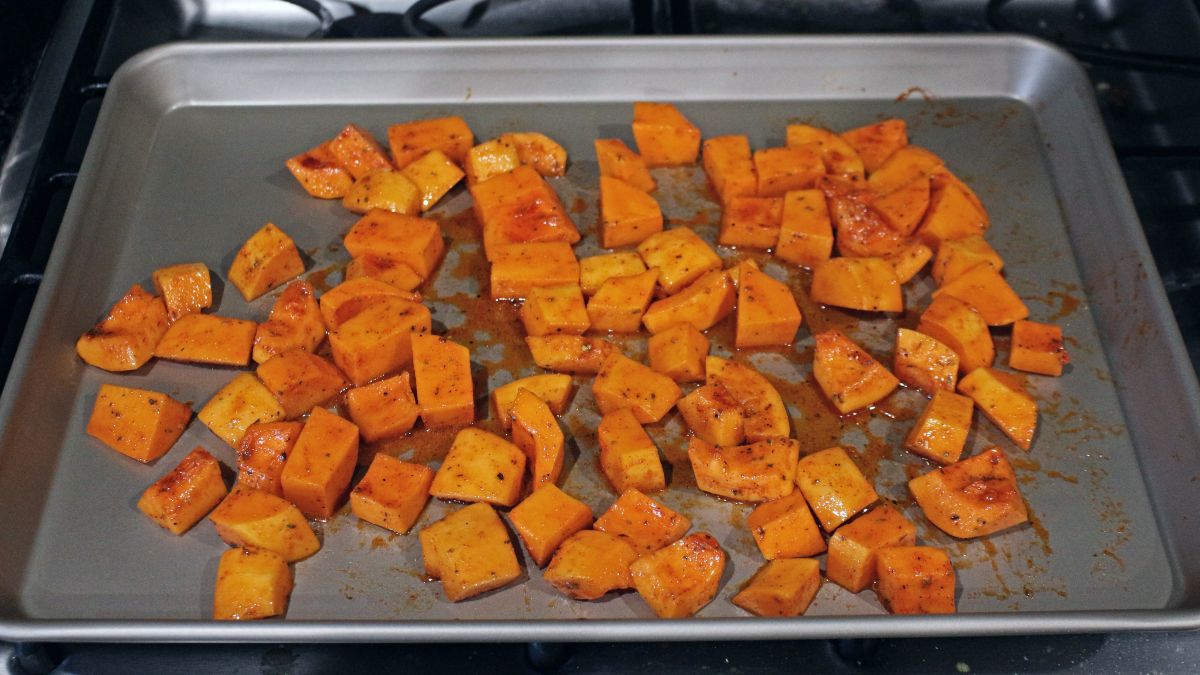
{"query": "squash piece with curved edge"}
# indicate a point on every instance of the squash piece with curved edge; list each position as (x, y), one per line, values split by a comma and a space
(1002, 399)
(383, 190)
(909, 260)
(267, 260)
(536, 432)
(628, 456)
(954, 212)
(490, 159)
(839, 157)
(679, 580)
(625, 383)
(480, 467)
(924, 362)
(903, 167)
(243, 401)
(319, 173)
(985, 289)
(390, 272)
(137, 423)
(850, 378)
(973, 497)
(301, 380)
(784, 587)
(571, 353)
(940, 433)
(125, 339)
(757, 472)
(785, 528)
(553, 388)
(714, 415)
(208, 338)
(702, 304)
(319, 468)
(957, 256)
(621, 302)
(915, 580)
(852, 547)
(185, 288)
(875, 143)
(539, 151)
(295, 322)
(860, 230)
(678, 352)
(763, 409)
(867, 284)
(664, 136)
(618, 161)
(681, 256)
(186, 494)
(643, 523)
(263, 452)
(595, 270)
(251, 584)
(520, 207)
(383, 409)
(627, 215)
(434, 175)
(261, 520)
(356, 149)
(959, 326)
(904, 208)
(346, 300)
(833, 486)
(589, 564)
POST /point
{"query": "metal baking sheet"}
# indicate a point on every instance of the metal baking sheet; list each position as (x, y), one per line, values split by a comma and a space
(186, 162)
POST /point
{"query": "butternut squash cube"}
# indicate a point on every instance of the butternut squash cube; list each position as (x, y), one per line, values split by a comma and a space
(781, 170)
(903, 167)
(266, 261)
(263, 452)
(767, 314)
(480, 467)
(664, 136)
(904, 208)
(182, 498)
(940, 433)
(550, 310)
(378, 340)
(751, 222)
(595, 270)
(410, 141)
(960, 327)
(849, 376)
(319, 173)
(394, 274)
(383, 409)
(553, 388)
(910, 260)
(983, 288)
(618, 161)
(861, 230)
(294, 323)
(434, 175)
(243, 401)
(125, 339)
(679, 580)
(643, 523)
(763, 409)
(867, 284)
(805, 230)
(681, 257)
(875, 143)
(915, 580)
(924, 363)
(1038, 348)
(839, 156)
(702, 304)
(260, 520)
(757, 472)
(185, 288)
(628, 456)
(785, 528)
(627, 215)
(357, 150)
(952, 214)
(346, 300)
(416, 242)
(321, 464)
(137, 423)
(852, 547)
(392, 493)
(625, 383)
(571, 353)
(678, 352)
(729, 167)
(834, 486)
(589, 564)
(539, 151)
(957, 256)
(383, 190)
(546, 518)
(621, 302)
(251, 584)
(208, 338)
(973, 497)
(301, 381)
(490, 159)
(445, 391)
(470, 551)
(1001, 399)
(714, 415)
(536, 432)
(783, 587)
(517, 268)
(520, 207)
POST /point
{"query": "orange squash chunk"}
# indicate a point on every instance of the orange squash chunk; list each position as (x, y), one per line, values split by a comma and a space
(536, 432)
(643, 523)
(924, 363)
(1038, 348)
(383, 190)
(125, 339)
(185, 288)
(490, 159)
(664, 136)
(392, 493)
(251, 584)
(520, 207)
(434, 175)
(805, 230)
(243, 401)
(346, 300)
(852, 547)
(959, 326)
(416, 242)
(357, 150)
(410, 141)
(589, 564)
(137, 423)
(383, 409)
(266, 261)
(595, 270)
(208, 338)
(678, 352)
(983, 288)
(553, 388)
(940, 433)
(263, 452)
(394, 274)
(903, 167)
(839, 156)
(480, 467)
(729, 167)
(713, 415)
(763, 409)
(517, 268)
(757, 472)
(849, 376)
(570, 353)
(781, 170)
(952, 214)
(875, 143)
(861, 230)
(915, 580)
(679, 580)
(625, 383)
(904, 208)
(627, 215)
(182, 498)
(867, 284)
(834, 486)
(702, 304)
(301, 381)
(620, 303)
(767, 314)
(628, 455)
(957, 256)
(909, 260)
(378, 340)
(551, 310)
(539, 151)
(973, 497)
(322, 462)
(1002, 399)
(618, 161)
(681, 257)
(470, 551)
(261, 520)
(781, 588)
(319, 173)
(785, 528)
(751, 222)
(442, 370)
(546, 518)
(294, 323)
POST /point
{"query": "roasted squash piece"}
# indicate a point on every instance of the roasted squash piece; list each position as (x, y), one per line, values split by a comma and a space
(1038, 348)
(357, 150)
(517, 268)
(434, 175)
(729, 167)
(490, 159)
(839, 156)
(520, 207)
(751, 222)
(875, 143)
(781, 170)
(321, 464)
(319, 173)
(834, 486)
(416, 242)
(957, 256)
(973, 497)
(751, 473)
(910, 260)
(539, 151)
(714, 415)
(679, 580)
(763, 409)
(243, 401)
(346, 300)
(664, 136)
(627, 215)
(182, 498)
(618, 161)
(471, 552)
(550, 310)
(546, 518)
(266, 261)
(383, 190)
(867, 284)
(915, 580)
(301, 380)
(553, 388)
(595, 270)
(628, 456)
(442, 371)
(137, 423)
(805, 230)
(263, 452)
(394, 274)
(392, 493)
(251, 584)
(903, 167)
(861, 230)
(983, 288)
(702, 304)
(384, 409)
(589, 564)
(570, 353)
(785, 528)
(959, 326)
(940, 433)
(620, 303)
(410, 141)
(642, 522)
(378, 340)
(781, 588)
(904, 208)
(849, 376)
(536, 432)
(294, 323)
(924, 363)
(125, 339)
(767, 314)
(260, 520)
(953, 213)
(480, 467)
(208, 338)
(678, 352)
(625, 383)
(1001, 399)
(185, 288)
(852, 547)
(681, 256)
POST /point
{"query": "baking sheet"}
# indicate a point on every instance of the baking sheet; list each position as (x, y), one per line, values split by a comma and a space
(186, 162)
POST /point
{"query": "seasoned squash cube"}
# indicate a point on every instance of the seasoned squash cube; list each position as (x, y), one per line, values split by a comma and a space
(763, 409)
(301, 381)
(1038, 348)
(378, 340)
(539, 151)
(903, 167)
(781, 588)
(319, 173)
(137, 423)
(570, 353)
(875, 143)
(785, 528)
(957, 256)
(185, 288)
(470, 551)
(321, 464)
(433, 174)
(618, 161)
(729, 167)
(678, 352)
(751, 222)
(595, 270)
(266, 261)
(628, 456)
(125, 339)
(681, 257)
(546, 518)
(940, 433)
(1001, 399)
(849, 376)
(679, 580)
(208, 338)
(517, 268)
(480, 467)
(553, 388)
(392, 493)
(589, 564)
(261, 520)
(867, 284)
(861, 230)
(909, 260)
(243, 401)
(852, 547)
(751, 473)
(520, 207)
(767, 314)
(904, 208)
(924, 363)
(621, 302)
(960, 327)
(416, 242)
(346, 300)
(983, 288)
(263, 452)
(643, 523)
(664, 136)
(536, 432)
(394, 274)
(714, 415)
(357, 150)
(251, 584)
(383, 409)
(182, 498)
(953, 213)
(973, 497)
(915, 580)
(805, 230)
(781, 170)
(410, 141)
(294, 323)
(549, 310)
(625, 383)
(702, 304)
(839, 156)
(383, 190)
(442, 371)
(490, 159)
(834, 486)
(627, 215)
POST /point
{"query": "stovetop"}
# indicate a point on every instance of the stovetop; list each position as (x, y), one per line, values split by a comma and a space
(1143, 58)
